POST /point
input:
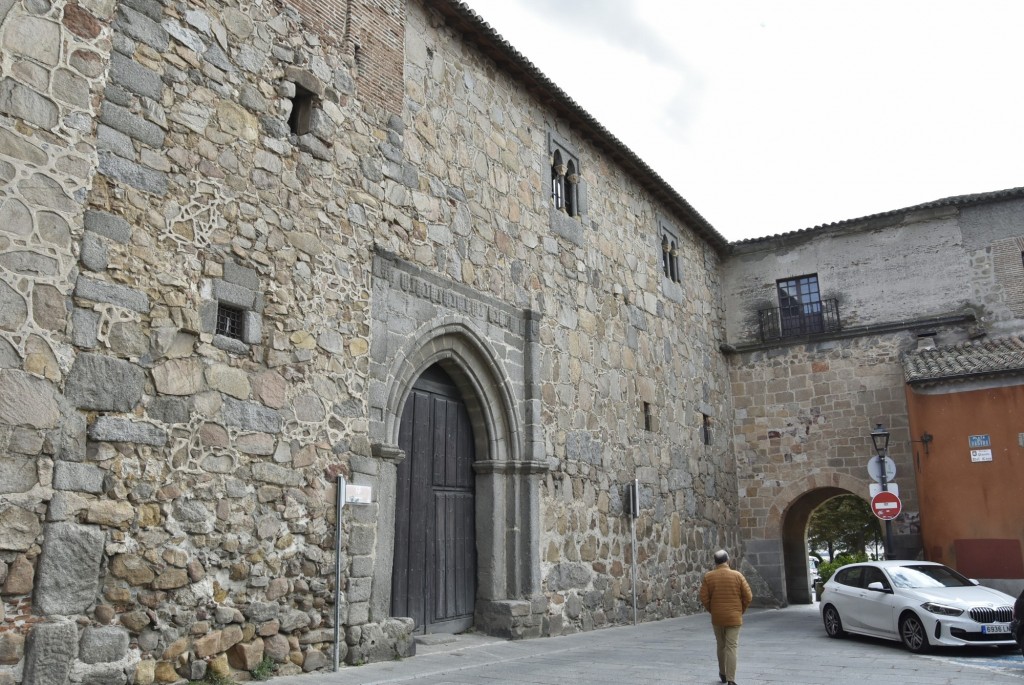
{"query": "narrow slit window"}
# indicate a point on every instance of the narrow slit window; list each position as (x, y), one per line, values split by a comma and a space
(707, 430)
(648, 417)
(230, 321)
(301, 119)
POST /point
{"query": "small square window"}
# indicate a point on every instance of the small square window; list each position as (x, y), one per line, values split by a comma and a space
(301, 119)
(230, 321)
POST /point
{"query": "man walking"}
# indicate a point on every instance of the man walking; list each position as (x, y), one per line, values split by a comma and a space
(726, 595)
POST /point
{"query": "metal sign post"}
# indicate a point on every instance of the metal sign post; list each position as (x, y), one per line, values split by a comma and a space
(339, 505)
(634, 512)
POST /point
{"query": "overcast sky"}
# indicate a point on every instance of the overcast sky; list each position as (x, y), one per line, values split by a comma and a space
(771, 116)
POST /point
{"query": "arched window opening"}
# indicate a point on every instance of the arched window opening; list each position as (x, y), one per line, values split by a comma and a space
(665, 254)
(557, 182)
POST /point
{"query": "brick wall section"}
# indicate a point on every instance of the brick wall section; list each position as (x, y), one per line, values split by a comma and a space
(1008, 270)
(378, 31)
(329, 19)
(372, 33)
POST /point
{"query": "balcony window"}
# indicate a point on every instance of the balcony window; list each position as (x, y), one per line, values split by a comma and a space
(800, 306)
(801, 311)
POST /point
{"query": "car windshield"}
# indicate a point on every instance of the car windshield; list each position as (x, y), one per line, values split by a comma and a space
(926, 576)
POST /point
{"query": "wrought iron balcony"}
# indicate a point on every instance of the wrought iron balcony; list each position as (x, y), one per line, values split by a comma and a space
(798, 321)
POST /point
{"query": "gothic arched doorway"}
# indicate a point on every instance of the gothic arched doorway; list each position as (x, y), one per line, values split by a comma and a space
(434, 569)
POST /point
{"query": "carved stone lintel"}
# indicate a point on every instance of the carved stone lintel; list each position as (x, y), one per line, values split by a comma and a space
(392, 453)
(510, 468)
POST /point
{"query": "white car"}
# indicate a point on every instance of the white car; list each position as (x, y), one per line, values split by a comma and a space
(921, 603)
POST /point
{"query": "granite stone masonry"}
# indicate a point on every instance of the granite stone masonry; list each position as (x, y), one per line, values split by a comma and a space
(232, 236)
(240, 241)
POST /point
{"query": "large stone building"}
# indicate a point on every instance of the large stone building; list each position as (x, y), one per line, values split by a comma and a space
(249, 248)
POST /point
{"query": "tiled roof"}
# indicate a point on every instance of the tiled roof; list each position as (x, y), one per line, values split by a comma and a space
(956, 201)
(966, 360)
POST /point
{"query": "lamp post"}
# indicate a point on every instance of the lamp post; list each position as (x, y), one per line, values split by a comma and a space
(880, 439)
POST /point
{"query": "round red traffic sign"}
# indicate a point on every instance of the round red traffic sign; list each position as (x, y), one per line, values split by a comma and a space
(886, 505)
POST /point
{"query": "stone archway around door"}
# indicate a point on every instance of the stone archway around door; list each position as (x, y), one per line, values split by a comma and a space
(506, 478)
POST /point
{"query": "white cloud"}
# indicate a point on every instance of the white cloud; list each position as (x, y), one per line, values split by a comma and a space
(774, 115)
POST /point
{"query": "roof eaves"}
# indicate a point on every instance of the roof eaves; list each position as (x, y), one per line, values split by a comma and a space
(955, 201)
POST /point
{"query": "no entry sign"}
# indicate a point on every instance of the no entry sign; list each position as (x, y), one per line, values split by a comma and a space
(886, 505)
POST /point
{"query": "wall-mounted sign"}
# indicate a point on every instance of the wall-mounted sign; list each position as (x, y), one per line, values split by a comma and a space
(979, 441)
(358, 494)
(875, 488)
(981, 455)
(875, 469)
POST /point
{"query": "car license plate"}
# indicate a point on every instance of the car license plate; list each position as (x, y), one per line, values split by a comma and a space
(996, 628)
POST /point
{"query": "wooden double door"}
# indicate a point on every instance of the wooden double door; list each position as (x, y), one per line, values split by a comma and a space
(434, 574)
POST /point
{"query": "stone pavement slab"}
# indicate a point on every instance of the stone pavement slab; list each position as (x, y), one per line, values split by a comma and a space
(776, 646)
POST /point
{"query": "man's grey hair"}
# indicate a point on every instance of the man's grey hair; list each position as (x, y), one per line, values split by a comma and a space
(721, 556)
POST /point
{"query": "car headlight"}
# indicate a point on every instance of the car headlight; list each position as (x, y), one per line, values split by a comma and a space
(941, 609)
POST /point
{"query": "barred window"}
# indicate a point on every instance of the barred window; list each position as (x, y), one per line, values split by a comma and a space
(230, 321)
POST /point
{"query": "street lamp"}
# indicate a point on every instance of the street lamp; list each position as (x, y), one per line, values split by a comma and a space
(880, 439)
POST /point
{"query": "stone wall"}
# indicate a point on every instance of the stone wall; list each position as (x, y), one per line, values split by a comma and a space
(803, 419)
(994, 244)
(168, 470)
(613, 333)
(170, 488)
(917, 255)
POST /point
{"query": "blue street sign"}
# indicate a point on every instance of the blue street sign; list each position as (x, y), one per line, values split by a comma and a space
(980, 441)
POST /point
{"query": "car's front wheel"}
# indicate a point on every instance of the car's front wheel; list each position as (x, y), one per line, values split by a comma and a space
(833, 624)
(913, 634)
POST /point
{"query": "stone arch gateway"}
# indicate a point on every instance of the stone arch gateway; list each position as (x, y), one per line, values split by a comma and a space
(779, 552)
(487, 350)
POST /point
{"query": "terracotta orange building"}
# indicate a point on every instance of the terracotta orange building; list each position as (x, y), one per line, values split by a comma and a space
(966, 411)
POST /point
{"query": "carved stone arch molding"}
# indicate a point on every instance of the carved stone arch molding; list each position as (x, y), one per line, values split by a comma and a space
(489, 349)
(465, 356)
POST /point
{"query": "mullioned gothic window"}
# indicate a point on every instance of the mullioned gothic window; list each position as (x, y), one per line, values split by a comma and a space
(670, 254)
(566, 191)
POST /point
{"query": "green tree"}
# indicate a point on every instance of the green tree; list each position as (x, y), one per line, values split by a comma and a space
(843, 525)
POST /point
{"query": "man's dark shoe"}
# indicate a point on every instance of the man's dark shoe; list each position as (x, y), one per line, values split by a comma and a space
(721, 676)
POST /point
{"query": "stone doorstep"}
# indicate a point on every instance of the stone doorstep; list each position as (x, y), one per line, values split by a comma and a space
(439, 643)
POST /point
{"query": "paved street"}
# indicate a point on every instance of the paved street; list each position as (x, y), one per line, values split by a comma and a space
(776, 646)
